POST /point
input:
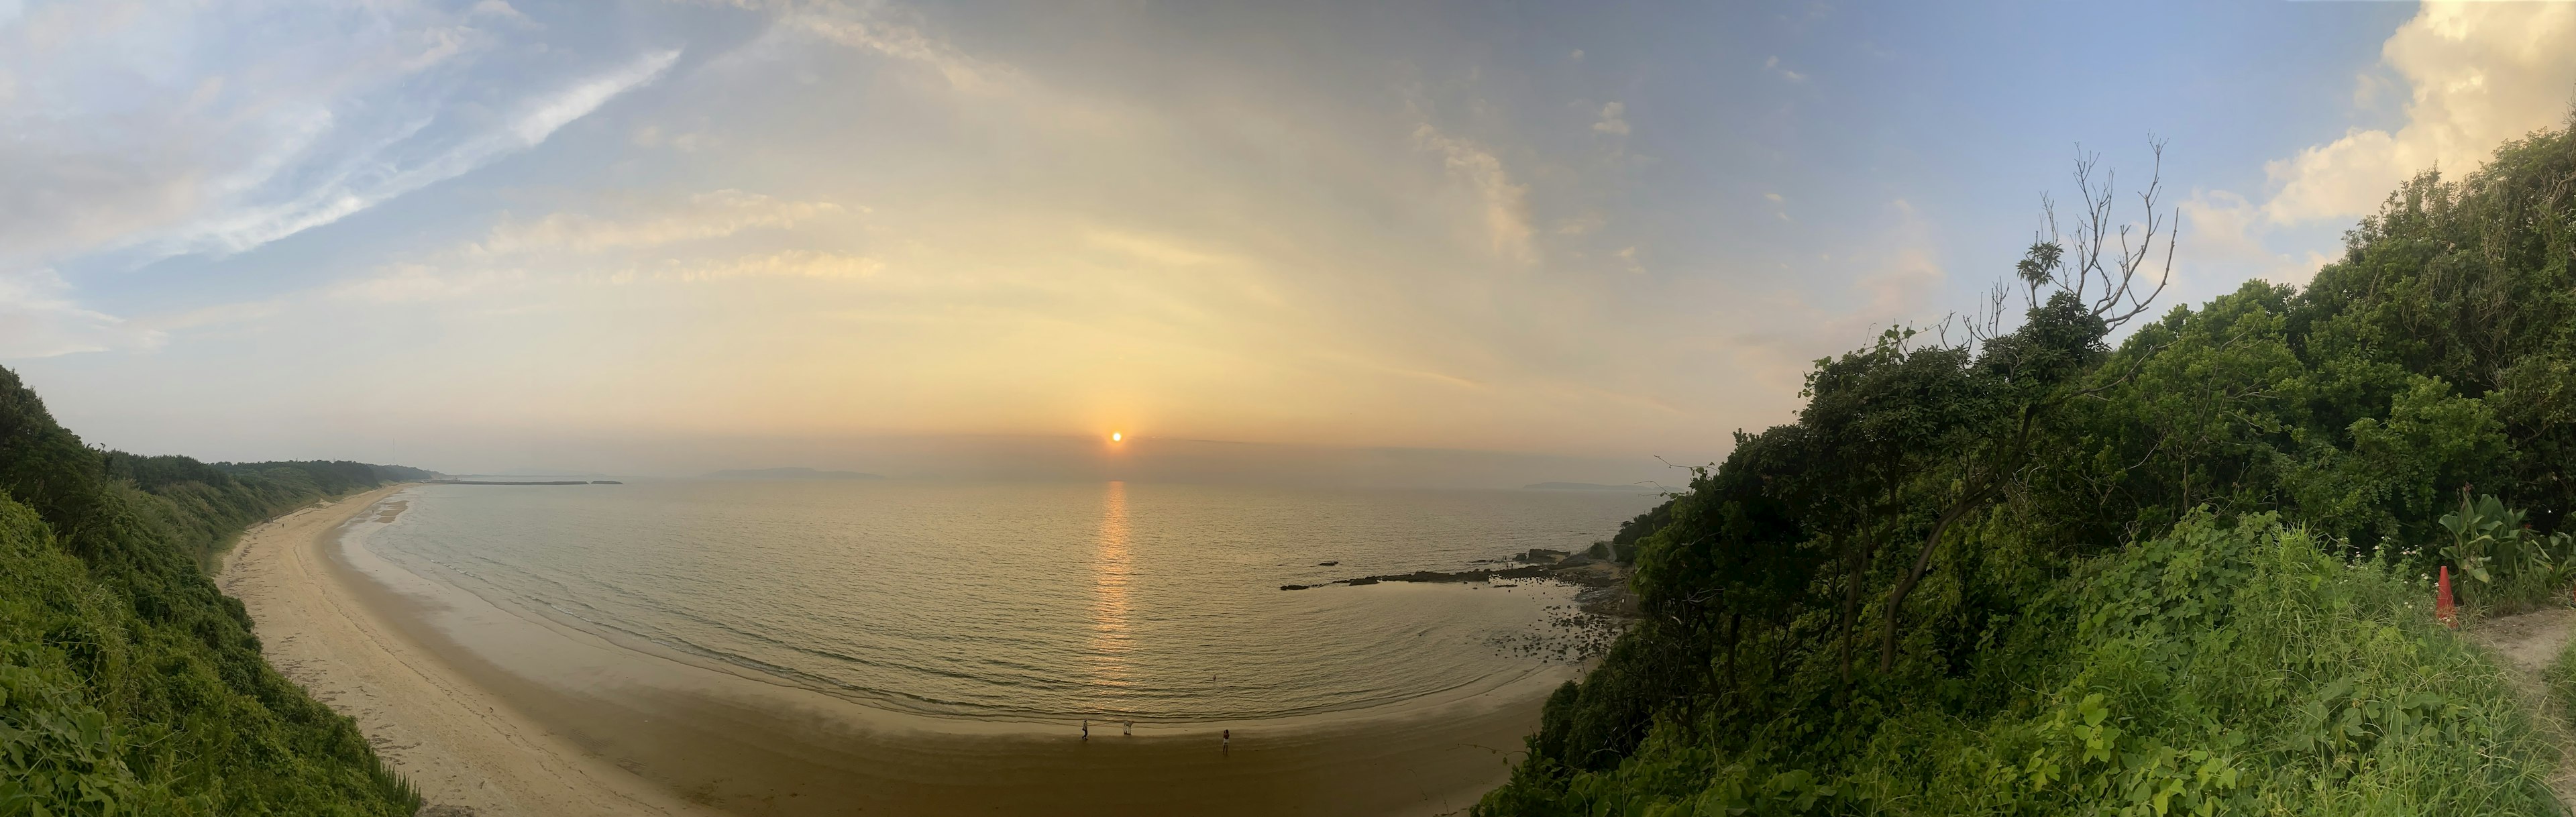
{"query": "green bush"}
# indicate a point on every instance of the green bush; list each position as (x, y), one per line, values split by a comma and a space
(2219, 669)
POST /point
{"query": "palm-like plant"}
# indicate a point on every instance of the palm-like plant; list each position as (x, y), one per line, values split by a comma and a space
(2490, 545)
(2479, 532)
(2558, 558)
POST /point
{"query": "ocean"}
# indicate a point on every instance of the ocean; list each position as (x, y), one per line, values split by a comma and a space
(1030, 601)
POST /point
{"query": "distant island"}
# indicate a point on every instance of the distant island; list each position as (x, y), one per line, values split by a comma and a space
(1586, 486)
(790, 473)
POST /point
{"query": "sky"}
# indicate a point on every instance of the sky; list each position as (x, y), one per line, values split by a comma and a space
(1434, 243)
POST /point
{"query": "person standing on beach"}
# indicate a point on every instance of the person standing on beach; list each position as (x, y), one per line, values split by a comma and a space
(1129, 730)
(1226, 743)
(1086, 730)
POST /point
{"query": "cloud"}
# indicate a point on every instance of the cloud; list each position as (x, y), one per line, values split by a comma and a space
(1772, 66)
(651, 136)
(271, 124)
(789, 264)
(2473, 75)
(216, 128)
(1779, 206)
(1844, 297)
(38, 320)
(501, 10)
(872, 28)
(2479, 74)
(550, 113)
(1506, 203)
(2225, 246)
(364, 185)
(972, 80)
(706, 215)
(1164, 251)
(571, 249)
(405, 282)
(1611, 123)
(577, 247)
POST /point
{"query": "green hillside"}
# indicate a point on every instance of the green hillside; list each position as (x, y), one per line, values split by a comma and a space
(2186, 572)
(128, 683)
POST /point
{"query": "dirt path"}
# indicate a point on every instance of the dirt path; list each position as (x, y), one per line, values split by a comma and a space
(2529, 643)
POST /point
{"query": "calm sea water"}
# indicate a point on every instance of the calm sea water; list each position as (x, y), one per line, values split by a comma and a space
(1111, 600)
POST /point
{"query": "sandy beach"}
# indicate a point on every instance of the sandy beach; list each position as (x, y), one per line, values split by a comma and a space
(495, 711)
(468, 750)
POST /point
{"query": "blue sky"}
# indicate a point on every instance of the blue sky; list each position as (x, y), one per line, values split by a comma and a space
(676, 236)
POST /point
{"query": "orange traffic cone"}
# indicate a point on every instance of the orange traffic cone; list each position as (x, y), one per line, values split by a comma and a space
(2442, 607)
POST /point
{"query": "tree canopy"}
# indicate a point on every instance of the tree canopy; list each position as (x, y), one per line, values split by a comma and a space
(1986, 494)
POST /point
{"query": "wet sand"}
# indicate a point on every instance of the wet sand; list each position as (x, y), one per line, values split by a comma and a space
(507, 712)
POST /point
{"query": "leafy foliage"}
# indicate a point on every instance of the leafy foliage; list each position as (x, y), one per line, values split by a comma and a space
(2502, 561)
(128, 683)
(2168, 575)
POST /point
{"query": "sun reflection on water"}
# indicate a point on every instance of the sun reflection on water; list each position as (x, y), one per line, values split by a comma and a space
(1110, 606)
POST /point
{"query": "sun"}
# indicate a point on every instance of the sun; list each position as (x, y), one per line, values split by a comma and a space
(1116, 436)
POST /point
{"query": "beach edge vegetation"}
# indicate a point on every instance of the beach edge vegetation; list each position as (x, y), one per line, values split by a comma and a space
(2028, 570)
(129, 684)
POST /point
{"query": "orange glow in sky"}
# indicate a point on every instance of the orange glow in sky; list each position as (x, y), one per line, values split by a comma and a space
(1116, 436)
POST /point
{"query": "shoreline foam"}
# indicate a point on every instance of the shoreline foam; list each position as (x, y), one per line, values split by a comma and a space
(621, 730)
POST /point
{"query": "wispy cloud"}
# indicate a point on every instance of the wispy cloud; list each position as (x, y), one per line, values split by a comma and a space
(878, 29)
(790, 264)
(218, 128)
(1154, 249)
(1772, 66)
(706, 215)
(1505, 202)
(551, 113)
(37, 319)
(407, 282)
(378, 175)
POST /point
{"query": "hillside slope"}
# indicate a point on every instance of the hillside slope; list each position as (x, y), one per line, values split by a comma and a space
(128, 683)
(2043, 573)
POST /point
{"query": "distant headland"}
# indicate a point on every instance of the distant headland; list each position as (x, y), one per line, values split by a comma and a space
(790, 473)
(1587, 486)
(522, 482)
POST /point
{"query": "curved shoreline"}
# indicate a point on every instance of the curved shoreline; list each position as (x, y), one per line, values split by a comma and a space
(465, 748)
(507, 715)
(889, 710)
